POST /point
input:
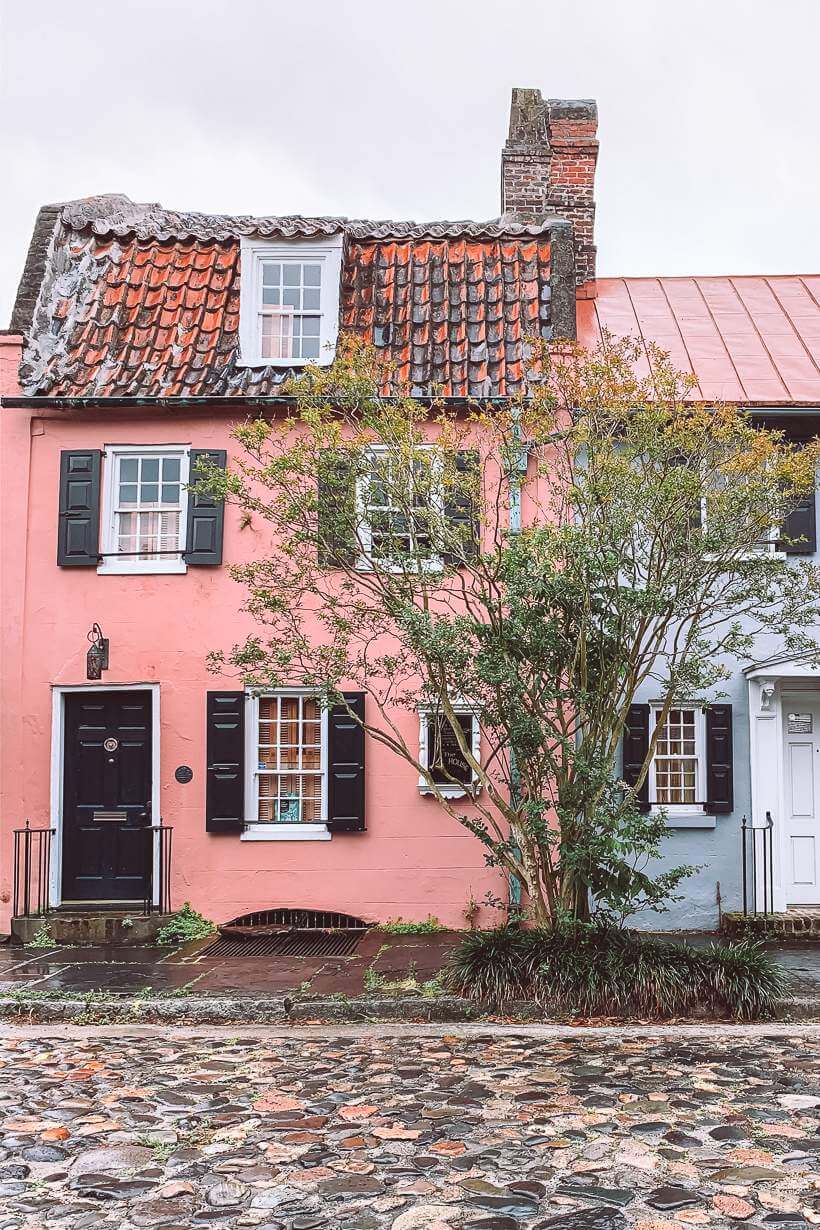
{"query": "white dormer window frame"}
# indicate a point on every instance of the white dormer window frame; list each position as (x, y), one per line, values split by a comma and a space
(283, 322)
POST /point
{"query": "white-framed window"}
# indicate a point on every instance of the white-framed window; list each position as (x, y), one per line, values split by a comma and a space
(289, 301)
(768, 543)
(441, 755)
(393, 506)
(144, 508)
(286, 759)
(677, 774)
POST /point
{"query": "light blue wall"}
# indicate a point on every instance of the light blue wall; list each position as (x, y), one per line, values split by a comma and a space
(717, 851)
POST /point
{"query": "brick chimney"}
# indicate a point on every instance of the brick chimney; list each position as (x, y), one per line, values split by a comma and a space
(548, 167)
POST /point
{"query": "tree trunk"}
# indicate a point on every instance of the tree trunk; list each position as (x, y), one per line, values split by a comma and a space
(575, 898)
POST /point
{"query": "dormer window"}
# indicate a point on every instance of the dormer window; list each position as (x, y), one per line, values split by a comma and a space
(289, 302)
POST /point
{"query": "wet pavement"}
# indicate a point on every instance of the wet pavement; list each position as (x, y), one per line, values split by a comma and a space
(379, 961)
(408, 1128)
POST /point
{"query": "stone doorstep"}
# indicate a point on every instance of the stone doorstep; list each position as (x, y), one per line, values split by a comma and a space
(791, 924)
(80, 928)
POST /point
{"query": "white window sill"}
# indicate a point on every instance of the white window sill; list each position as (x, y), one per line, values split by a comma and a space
(430, 566)
(115, 567)
(324, 360)
(448, 791)
(285, 832)
(691, 819)
(746, 556)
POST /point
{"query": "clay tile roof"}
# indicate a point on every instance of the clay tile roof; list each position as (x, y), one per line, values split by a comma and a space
(753, 340)
(136, 300)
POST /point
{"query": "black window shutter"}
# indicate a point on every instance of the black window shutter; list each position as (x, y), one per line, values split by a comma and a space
(337, 540)
(78, 527)
(800, 528)
(719, 764)
(345, 808)
(635, 748)
(225, 789)
(206, 516)
(460, 508)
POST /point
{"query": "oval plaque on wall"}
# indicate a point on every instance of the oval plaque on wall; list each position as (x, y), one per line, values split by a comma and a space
(184, 774)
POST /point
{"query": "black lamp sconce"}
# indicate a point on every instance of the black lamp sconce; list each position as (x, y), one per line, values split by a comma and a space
(96, 660)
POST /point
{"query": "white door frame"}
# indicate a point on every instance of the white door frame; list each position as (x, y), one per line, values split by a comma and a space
(767, 749)
(58, 695)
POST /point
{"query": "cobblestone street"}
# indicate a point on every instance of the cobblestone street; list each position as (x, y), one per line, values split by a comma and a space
(409, 1128)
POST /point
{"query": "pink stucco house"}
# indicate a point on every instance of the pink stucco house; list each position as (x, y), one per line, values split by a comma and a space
(139, 337)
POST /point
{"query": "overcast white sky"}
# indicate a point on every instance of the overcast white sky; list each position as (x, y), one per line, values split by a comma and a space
(709, 115)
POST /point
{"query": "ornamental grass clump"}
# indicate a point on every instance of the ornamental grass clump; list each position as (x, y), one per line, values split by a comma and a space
(598, 970)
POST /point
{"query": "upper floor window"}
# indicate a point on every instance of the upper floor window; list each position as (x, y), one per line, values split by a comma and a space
(396, 496)
(145, 503)
(289, 302)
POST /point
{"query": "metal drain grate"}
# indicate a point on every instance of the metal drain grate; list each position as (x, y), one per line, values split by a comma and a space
(286, 944)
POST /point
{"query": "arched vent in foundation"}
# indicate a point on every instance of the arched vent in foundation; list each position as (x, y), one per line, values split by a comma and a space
(302, 920)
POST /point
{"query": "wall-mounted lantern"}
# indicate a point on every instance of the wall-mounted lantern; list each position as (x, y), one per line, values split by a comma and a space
(96, 660)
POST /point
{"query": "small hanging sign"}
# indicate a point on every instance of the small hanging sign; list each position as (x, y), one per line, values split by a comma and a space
(800, 723)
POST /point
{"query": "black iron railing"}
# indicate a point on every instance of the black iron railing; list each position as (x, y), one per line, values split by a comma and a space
(32, 871)
(158, 869)
(758, 865)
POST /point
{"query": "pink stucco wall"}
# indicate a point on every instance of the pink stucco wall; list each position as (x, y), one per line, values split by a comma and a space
(412, 861)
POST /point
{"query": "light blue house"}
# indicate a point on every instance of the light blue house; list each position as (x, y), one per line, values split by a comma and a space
(755, 754)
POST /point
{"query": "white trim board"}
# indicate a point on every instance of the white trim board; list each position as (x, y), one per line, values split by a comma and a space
(58, 692)
(324, 250)
(263, 830)
(113, 565)
(768, 687)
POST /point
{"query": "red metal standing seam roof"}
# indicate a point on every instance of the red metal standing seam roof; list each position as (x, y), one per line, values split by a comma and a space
(745, 339)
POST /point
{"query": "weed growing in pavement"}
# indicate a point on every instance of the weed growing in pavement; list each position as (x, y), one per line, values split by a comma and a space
(42, 937)
(397, 926)
(184, 926)
(163, 1149)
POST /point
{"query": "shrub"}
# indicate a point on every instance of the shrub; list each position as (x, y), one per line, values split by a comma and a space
(186, 925)
(598, 970)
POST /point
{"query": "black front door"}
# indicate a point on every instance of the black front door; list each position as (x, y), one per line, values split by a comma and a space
(106, 796)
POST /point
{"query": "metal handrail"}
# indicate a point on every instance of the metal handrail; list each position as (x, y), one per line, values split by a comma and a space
(762, 886)
(32, 871)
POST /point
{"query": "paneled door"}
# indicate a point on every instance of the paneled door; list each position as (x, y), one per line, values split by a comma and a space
(801, 849)
(106, 796)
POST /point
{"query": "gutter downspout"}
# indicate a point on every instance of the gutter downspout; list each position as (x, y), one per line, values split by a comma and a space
(518, 466)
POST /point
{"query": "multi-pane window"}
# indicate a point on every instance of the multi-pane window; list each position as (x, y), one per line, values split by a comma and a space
(289, 300)
(290, 309)
(147, 506)
(397, 497)
(677, 761)
(291, 764)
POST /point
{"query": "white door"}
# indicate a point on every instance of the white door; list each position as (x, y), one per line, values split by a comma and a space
(801, 848)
